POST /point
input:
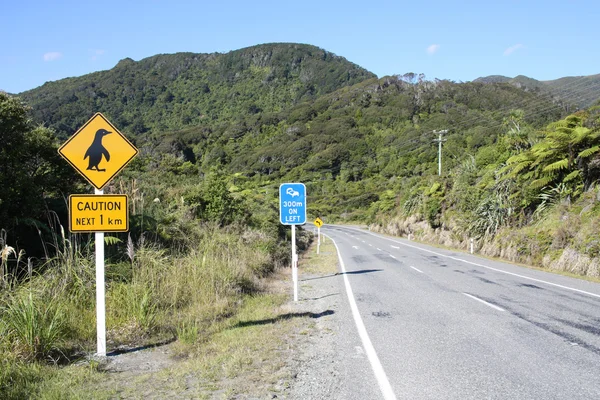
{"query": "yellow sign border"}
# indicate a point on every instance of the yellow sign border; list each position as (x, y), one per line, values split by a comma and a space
(99, 187)
(99, 197)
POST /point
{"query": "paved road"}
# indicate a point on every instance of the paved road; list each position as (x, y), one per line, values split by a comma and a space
(449, 325)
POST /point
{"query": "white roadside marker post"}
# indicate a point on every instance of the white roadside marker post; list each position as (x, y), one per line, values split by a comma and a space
(318, 239)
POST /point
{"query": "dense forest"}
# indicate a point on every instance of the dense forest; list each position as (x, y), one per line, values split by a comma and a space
(217, 135)
(363, 145)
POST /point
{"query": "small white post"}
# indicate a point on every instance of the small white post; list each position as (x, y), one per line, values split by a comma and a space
(318, 239)
(294, 263)
(471, 245)
(100, 297)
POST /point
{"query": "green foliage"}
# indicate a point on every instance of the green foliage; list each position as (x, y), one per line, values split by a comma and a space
(167, 92)
(560, 157)
(133, 303)
(31, 172)
(34, 326)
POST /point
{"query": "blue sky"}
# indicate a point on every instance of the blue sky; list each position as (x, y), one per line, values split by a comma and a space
(461, 40)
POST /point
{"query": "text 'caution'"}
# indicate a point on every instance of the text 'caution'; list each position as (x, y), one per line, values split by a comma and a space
(93, 213)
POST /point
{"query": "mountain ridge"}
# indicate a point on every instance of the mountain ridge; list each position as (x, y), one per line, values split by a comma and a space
(580, 91)
(170, 91)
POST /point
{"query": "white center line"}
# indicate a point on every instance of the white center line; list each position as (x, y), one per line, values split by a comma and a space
(370, 245)
(394, 247)
(382, 379)
(378, 249)
(392, 256)
(484, 302)
(416, 269)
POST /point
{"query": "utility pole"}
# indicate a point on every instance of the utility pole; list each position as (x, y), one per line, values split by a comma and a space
(440, 140)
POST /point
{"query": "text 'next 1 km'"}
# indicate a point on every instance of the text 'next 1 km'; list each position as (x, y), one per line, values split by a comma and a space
(292, 203)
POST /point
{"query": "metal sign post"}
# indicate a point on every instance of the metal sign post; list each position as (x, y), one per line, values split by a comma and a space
(294, 263)
(292, 211)
(100, 288)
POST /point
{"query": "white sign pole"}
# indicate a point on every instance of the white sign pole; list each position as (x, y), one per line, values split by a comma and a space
(318, 239)
(294, 263)
(100, 305)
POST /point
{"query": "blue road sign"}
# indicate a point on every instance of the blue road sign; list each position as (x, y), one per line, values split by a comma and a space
(292, 203)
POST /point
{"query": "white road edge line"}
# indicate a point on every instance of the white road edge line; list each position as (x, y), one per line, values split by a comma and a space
(484, 302)
(416, 269)
(485, 266)
(382, 379)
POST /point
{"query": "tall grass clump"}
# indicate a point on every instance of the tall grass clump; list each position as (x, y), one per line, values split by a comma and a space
(185, 293)
(34, 326)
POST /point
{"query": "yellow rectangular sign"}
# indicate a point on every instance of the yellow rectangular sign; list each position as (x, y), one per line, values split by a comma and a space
(98, 213)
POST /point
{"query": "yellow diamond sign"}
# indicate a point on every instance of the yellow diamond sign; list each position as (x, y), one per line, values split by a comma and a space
(98, 151)
(318, 222)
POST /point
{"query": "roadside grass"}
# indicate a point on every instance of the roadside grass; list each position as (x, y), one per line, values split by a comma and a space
(48, 322)
(245, 353)
(319, 264)
(222, 301)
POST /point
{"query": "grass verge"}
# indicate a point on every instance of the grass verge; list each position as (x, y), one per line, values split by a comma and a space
(233, 330)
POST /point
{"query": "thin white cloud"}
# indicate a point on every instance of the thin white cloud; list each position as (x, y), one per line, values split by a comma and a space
(52, 56)
(431, 50)
(512, 49)
(97, 53)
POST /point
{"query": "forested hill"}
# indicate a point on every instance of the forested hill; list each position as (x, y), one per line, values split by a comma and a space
(170, 91)
(364, 146)
(578, 91)
(377, 129)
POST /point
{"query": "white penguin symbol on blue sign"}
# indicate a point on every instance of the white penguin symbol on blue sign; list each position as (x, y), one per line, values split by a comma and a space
(292, 203)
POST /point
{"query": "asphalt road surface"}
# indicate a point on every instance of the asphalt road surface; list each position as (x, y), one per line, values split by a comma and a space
(450, 325)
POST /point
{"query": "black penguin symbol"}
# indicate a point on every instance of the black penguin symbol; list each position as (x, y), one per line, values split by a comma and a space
(96, 151)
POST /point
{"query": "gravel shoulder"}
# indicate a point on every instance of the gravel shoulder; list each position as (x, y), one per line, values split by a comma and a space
(331, 362)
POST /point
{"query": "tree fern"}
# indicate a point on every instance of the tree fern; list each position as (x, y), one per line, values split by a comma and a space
(573, 175)
(589, 152)
(557, 166)
(541, 182)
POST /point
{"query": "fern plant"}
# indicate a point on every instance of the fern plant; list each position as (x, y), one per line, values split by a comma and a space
(560, 158)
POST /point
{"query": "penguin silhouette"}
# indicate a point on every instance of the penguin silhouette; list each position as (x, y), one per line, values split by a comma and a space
(96, 151)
